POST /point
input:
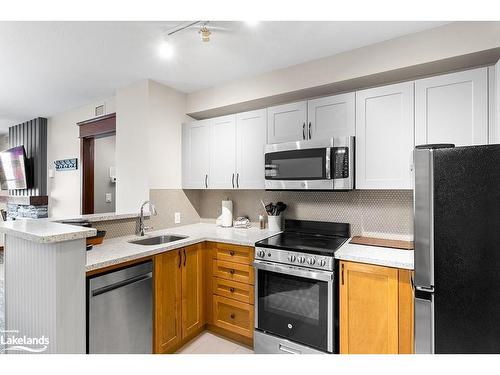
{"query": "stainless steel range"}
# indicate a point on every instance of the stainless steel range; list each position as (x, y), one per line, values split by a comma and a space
(296, 304)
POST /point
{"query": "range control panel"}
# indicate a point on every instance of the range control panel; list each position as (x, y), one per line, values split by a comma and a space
(293, 258)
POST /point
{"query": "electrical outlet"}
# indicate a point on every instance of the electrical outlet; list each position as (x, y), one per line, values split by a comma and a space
(108, 197)
(177, 218)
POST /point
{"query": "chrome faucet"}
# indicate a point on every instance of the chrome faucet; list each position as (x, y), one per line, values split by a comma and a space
(153, 212)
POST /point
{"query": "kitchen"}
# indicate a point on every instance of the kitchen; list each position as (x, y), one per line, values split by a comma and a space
(278, 221)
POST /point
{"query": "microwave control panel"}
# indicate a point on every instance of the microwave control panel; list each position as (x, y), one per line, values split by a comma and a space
(340, 162)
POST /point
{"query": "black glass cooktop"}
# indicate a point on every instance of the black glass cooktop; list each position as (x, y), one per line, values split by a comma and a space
(305, 243)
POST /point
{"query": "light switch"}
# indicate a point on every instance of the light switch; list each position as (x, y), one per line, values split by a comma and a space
(177, 218)
(108, 197)
(51, 173)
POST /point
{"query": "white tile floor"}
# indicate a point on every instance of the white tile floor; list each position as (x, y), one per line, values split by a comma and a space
(208, 343)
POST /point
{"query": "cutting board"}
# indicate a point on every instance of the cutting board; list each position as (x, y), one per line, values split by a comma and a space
(370, 241)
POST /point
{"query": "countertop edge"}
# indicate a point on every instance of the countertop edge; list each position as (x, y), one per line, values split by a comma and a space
(157, 251)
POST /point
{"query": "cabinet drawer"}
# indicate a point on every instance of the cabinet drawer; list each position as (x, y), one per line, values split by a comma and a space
(234, 290)
(234, 316)
(242, 273)
(234, 253)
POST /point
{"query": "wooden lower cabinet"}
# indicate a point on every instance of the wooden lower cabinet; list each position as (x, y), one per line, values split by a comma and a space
(376, 309)
(193, 309)
(179, 297)
(167, 301)
(235, 316)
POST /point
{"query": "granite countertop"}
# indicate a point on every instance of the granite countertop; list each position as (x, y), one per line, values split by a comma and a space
(94, 218)
(118, 250)
(377, 255)
(43, 231)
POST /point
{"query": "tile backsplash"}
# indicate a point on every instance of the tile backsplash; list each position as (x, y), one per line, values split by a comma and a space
(387, 213)
(376, 213)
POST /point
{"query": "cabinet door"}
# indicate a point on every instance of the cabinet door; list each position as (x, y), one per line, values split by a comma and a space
(167, 292)
(452, 108)
(195, 154)
(250, 141)
(384, 137)
(333, 116)
(287, 122)
(192, 290)
(368, 309)
(222, 153)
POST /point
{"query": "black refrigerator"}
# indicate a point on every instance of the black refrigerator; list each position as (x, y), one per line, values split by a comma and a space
(457, 249)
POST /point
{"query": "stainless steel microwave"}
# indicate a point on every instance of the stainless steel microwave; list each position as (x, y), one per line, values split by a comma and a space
(310, 165)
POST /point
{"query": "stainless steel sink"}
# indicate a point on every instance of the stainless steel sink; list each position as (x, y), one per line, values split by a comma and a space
(157, 240)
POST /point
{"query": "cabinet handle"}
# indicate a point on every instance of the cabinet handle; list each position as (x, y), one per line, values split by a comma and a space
(232, 180)
(206, 181)
(185, 257)
(180, 258)
(342, 274)
(238, 180)
(231, 290)
(309, 129)
(233, 315)
(232, 253)
(304, 130)
(231, 272)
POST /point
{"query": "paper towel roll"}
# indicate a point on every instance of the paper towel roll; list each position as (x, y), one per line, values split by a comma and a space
(227, 213)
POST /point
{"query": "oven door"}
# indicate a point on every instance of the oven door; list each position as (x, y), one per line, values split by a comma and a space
(298, 166)
(296, 304)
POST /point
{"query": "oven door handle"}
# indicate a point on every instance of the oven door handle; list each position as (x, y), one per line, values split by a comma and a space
(294, 271)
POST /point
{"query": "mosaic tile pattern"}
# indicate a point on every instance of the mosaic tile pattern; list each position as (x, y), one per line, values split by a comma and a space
(118, 228)
(370, 212)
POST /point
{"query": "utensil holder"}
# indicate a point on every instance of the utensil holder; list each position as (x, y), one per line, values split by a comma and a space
(274, 222)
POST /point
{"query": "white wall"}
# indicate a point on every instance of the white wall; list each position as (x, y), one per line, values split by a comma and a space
(455, 39)
(148, 142)
(132, 127)
(63, 143)
(167, 109)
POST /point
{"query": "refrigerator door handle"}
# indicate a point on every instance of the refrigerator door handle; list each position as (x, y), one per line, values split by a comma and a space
(425, 289)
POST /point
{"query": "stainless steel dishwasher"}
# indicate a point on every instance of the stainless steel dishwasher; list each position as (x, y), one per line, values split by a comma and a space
(120, 311)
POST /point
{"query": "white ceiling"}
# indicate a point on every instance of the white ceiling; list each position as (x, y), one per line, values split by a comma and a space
(50, 67)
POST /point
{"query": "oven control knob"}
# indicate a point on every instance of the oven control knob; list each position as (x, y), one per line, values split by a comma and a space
(322, 262)
(261, 253)
(311, 261)
(301, 259)
(292, 258)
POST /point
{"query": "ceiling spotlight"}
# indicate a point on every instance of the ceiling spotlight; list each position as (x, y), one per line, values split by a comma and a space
(252, 23)
(166, 50)
(205, 34)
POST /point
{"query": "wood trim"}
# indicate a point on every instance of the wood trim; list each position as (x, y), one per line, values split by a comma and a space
(370, 241)
(118, 266)
(100, 126)
(406, 312)
(87, 156)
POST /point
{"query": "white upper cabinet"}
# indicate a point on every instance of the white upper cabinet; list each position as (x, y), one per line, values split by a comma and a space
(452, 108)
(222, 153)
(287, 122)
(250, 141)
(384, 137)
(333, 116)
(195, 155)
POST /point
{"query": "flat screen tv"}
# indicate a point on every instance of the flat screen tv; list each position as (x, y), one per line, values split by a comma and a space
(14, 169)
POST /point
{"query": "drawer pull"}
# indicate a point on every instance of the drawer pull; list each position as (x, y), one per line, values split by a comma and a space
(233, 315)
(231, 290)
(232, 253)
(231, 272)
